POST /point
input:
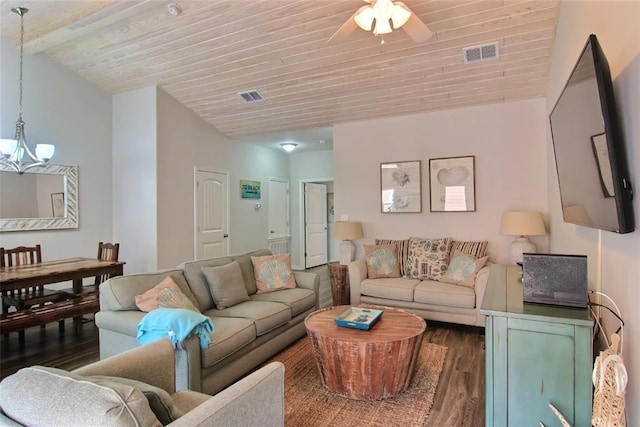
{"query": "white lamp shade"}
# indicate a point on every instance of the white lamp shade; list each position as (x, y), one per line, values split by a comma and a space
(347, 230)
(45, 152)
(383, 26)
(401, 15)
(8, 146)
(364, 18)
(522, 223)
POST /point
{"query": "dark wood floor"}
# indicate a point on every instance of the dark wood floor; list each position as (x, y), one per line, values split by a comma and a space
(459, 401)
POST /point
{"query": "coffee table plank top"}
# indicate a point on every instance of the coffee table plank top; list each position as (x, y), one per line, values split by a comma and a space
(366, 365)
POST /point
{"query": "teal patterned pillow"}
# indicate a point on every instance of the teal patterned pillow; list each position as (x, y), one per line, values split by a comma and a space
(463, 269)
(382, 261)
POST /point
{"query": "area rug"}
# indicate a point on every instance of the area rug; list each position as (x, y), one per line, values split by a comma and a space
(308, 403)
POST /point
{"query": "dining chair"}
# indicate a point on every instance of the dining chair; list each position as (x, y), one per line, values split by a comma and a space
(27, 297)
(106, 252)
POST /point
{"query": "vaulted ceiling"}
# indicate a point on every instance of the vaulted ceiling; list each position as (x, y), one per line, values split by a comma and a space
(216, 49)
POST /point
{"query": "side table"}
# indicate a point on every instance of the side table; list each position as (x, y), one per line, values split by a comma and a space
(339, 283)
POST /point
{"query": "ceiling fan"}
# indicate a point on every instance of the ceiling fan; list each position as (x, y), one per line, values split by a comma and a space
(382, 17)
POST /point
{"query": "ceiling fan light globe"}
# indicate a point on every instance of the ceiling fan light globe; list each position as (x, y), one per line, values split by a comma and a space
(44, 152)
(364, 18)
(383, 10)
(383, 26)
(401, 15)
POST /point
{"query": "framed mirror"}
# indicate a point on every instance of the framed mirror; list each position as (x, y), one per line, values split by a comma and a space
(44, 198)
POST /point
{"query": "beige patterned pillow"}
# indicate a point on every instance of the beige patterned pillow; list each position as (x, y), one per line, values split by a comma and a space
(165, 294)
(428, 258)
(477, 249)
(463, 269)
(273, 272)
(382, 261)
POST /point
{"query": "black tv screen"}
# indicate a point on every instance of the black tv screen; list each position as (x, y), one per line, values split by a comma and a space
(589, 149)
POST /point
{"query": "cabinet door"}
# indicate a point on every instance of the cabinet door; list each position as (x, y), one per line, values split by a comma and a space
(540, 367)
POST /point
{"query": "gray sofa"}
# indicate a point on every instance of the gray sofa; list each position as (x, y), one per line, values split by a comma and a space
(246, 334)
(137, 388)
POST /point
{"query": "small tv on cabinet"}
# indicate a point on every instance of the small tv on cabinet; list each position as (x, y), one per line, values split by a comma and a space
(588, 145)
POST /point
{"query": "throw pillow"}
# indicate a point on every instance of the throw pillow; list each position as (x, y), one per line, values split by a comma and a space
(403, 252)
(226, 284)
(165, 294)
(273, 272)
(159, 400)
(477, 249)
(428, 258)
(463, 269)
(382, 261)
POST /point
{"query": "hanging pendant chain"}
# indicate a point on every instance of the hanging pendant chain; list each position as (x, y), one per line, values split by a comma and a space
(21, 56)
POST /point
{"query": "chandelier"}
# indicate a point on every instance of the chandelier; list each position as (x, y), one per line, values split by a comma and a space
(384, 12)
(15, 153)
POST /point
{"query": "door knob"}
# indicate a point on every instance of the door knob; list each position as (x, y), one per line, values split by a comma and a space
(225, 236)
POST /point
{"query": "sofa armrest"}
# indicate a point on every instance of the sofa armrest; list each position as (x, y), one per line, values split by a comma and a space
(153, 364)
(311, 281)
(259, 396)
(357, 273)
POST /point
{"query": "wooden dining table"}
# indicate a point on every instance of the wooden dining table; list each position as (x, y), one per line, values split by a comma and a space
(63, 270)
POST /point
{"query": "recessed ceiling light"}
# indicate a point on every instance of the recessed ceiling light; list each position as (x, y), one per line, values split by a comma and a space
(174, 9)
(288, 146)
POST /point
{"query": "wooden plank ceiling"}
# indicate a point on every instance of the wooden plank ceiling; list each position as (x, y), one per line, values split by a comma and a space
(216, 49)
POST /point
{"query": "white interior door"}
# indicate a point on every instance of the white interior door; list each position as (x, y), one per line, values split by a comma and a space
(211, 214)
(315, 220)
(278, 208)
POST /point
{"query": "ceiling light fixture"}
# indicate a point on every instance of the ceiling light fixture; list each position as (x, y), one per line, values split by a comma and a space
(288, 146)
(15, 153)
(174, 9)
(384, 13)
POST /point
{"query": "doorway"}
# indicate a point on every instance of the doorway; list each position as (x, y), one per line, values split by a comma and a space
(315, 224)
(211, 213)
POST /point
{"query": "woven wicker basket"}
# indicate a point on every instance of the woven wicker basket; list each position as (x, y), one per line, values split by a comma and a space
(609, 380)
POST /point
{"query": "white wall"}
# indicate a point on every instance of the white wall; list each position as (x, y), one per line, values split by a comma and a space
(134, 179)
(305, 167)
(507, 141)
(614, 260)
(62, 108)
(186, 141)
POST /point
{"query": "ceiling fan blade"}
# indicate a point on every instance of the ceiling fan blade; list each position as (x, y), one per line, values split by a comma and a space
(416, 29)
(346, 28)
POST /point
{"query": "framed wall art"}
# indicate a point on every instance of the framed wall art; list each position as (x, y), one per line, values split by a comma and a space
(57, 205)
(401, 187)
(452, 184)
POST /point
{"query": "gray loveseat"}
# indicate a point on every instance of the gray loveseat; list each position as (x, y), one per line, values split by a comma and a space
(137, 388)
(246, 334)
(430, 299)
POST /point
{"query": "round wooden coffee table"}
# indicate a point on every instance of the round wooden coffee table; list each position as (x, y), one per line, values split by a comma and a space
(366, 365)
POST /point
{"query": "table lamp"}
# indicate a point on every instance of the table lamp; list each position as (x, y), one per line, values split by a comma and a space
(522, 224)
(347, 231)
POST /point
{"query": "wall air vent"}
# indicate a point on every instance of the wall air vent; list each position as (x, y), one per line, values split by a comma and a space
(251, 96)
(481, 53)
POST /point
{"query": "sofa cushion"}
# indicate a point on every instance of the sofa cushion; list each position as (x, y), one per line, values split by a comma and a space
(265, 315)
(247, 268)
(428, 258)
(297, 299)
(446, 294)
(397, 289)
(273, 272)
(197, 283)
(78, 401)
(382, 261)
(403, 251)
(231, 334)
(226, 284)
(477, 249)
(159, 400)
(119, 293)
(165, 294)
(463, 269)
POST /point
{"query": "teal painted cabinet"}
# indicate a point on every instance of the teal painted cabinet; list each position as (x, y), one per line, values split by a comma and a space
(536, 355)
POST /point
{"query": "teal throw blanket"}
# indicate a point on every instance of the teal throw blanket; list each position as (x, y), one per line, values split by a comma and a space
(176, 324)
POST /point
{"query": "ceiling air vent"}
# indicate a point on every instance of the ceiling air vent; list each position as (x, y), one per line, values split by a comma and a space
(481, 53)
(251, 96)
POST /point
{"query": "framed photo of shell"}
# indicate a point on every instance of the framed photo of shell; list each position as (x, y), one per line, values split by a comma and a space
(452, 184)
(401, 187)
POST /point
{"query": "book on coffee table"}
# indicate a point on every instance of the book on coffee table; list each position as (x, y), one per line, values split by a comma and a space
(359, 318)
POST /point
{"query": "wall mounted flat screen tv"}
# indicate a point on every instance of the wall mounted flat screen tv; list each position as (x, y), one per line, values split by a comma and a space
(591, 162)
